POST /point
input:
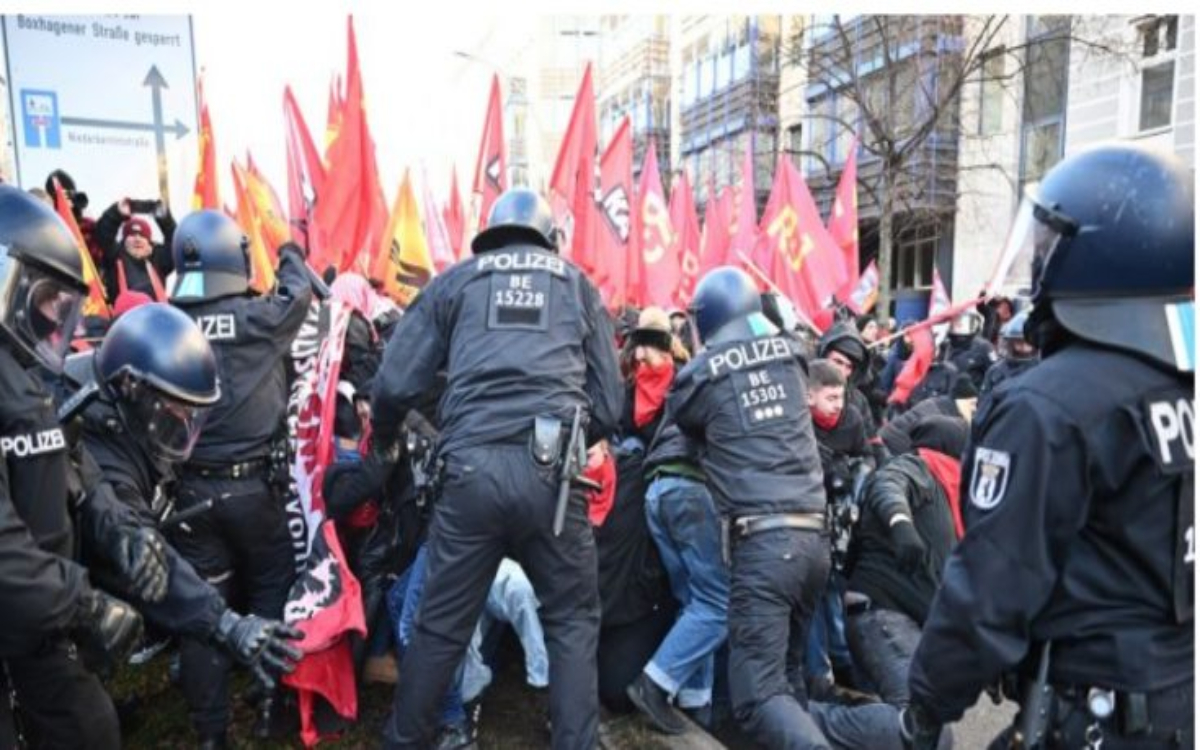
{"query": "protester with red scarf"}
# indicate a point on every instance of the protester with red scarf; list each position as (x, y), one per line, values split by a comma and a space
(909, 522)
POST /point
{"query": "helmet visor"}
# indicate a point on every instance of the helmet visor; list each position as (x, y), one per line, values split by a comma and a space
(42, 310)
(1032, 239)
(168, 426)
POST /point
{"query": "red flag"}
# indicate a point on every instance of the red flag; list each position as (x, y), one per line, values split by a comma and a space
(351, 212)
(744, 229)
(614, 230)
(435, 229)
(862, 297)
(456, 222)
(843, 220)
(659, 263)
(333, 113)
(686, 239)
(574, 176)
(306, 177)
(275, 229)
(490, 166)
(915, 367)
(204, 193)
(715, 237)
(804, 262)
(95, 303)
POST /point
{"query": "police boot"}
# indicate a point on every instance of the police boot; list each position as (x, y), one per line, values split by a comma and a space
(652, 701)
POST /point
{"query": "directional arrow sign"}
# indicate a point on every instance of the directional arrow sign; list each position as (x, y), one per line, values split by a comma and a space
(156, 83)
(179, 129)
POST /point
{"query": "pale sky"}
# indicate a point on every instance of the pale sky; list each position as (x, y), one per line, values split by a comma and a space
(424, 104)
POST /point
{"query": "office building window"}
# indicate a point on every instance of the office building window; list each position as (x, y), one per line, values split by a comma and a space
(991, 93)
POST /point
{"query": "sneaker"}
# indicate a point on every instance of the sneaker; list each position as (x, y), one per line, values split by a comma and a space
(455, 737)
(381, 669)
(652, 701)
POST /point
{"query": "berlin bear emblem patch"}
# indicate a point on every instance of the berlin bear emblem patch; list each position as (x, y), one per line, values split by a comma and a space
(989, 478)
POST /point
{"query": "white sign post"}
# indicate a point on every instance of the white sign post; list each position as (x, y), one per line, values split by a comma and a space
(110, 99)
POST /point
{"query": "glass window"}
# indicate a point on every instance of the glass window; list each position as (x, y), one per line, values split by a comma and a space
(1046, 79)
(1042, 148)
(991, 93)
(724, 70)
(1158, 85)
(795, 144)
(707, 68)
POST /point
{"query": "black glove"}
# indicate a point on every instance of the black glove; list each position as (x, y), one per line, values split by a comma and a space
(105, 629)
(919, 730)
(140, 556)
(907, 545)
(259, 644)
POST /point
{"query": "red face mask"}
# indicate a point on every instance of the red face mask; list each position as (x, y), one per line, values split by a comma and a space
(825, 421)
(651, 385)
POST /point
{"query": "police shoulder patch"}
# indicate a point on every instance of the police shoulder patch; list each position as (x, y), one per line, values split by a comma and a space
(989, 477)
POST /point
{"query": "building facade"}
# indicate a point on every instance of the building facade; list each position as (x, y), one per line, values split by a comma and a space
(635, 81)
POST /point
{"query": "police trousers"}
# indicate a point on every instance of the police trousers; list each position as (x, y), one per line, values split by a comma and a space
(778, 577)
(242, 548)
(61, 703)
(496, 502)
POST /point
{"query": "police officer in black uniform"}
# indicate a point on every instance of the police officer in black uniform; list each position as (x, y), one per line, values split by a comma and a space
(242, 541)
(1078, 481)
(966, 349)
(522, 334)
(54, 506)
(142, 398)
(744, 398)
(1016, 354)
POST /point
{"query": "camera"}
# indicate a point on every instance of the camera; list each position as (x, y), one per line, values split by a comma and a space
(144, 206)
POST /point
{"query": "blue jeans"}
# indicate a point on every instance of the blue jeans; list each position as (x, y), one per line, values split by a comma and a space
(683, 523)
(884, 641)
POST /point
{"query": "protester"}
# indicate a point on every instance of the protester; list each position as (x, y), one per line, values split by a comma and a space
(132, 261)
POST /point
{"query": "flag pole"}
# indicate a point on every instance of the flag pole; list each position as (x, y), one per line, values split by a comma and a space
(942, 317)
(753, 268)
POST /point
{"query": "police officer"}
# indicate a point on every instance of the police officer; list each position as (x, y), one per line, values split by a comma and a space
(242, 541)
(966, 349)
(144, 396)
(524, 339)
(53, 505)
(744, 398)
(1016, 354)
(1078, 479)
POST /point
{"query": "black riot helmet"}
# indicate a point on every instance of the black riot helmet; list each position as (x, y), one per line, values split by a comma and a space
(519, 216)
(1107, 240)
(159, 369)
(725, 295)
(41, 279)
(212, 260)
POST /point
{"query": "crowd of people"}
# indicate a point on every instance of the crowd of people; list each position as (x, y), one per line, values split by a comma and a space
(797, 538)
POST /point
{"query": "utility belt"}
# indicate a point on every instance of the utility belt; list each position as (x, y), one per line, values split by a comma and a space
(738, 528)
(253, 469)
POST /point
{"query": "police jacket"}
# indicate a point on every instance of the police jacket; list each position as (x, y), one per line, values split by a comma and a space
(191, 606)
(520, 332)
(250, 336)
(54, 507)
(971, 356)
(902, 485)
(744, 399)
(1003, 370)
(1077, 499)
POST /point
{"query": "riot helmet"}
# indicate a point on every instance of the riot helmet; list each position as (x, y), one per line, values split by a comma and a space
(1106, 244)
(725, 294)
(518, 216)
(41, 279)
(211, 254)
(965, 326)
(1013, 343)
(159, 369)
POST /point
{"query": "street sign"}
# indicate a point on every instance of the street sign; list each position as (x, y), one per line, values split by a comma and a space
(110, 99)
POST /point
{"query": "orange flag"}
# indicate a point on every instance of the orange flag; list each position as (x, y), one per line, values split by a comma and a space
(272, 219)
(204, 193)
(351, 212)
(659, 251)
(262, 269)
(490, 168)
(95, 303)
(686, 239)
(614, 229)
(843, 220)
(574, 176)
(403, 264)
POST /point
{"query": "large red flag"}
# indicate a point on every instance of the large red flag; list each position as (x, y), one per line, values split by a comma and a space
(843, 220)
(333, 113)
(306, 176)
(351, 211)
(804, 261)
(687, 239)
(715, 236)
(614, 230)
(573, 180)
(204, 192)
(744, 214)
(275, 229)
(659, 261)
(490, 166)
(456, 221)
